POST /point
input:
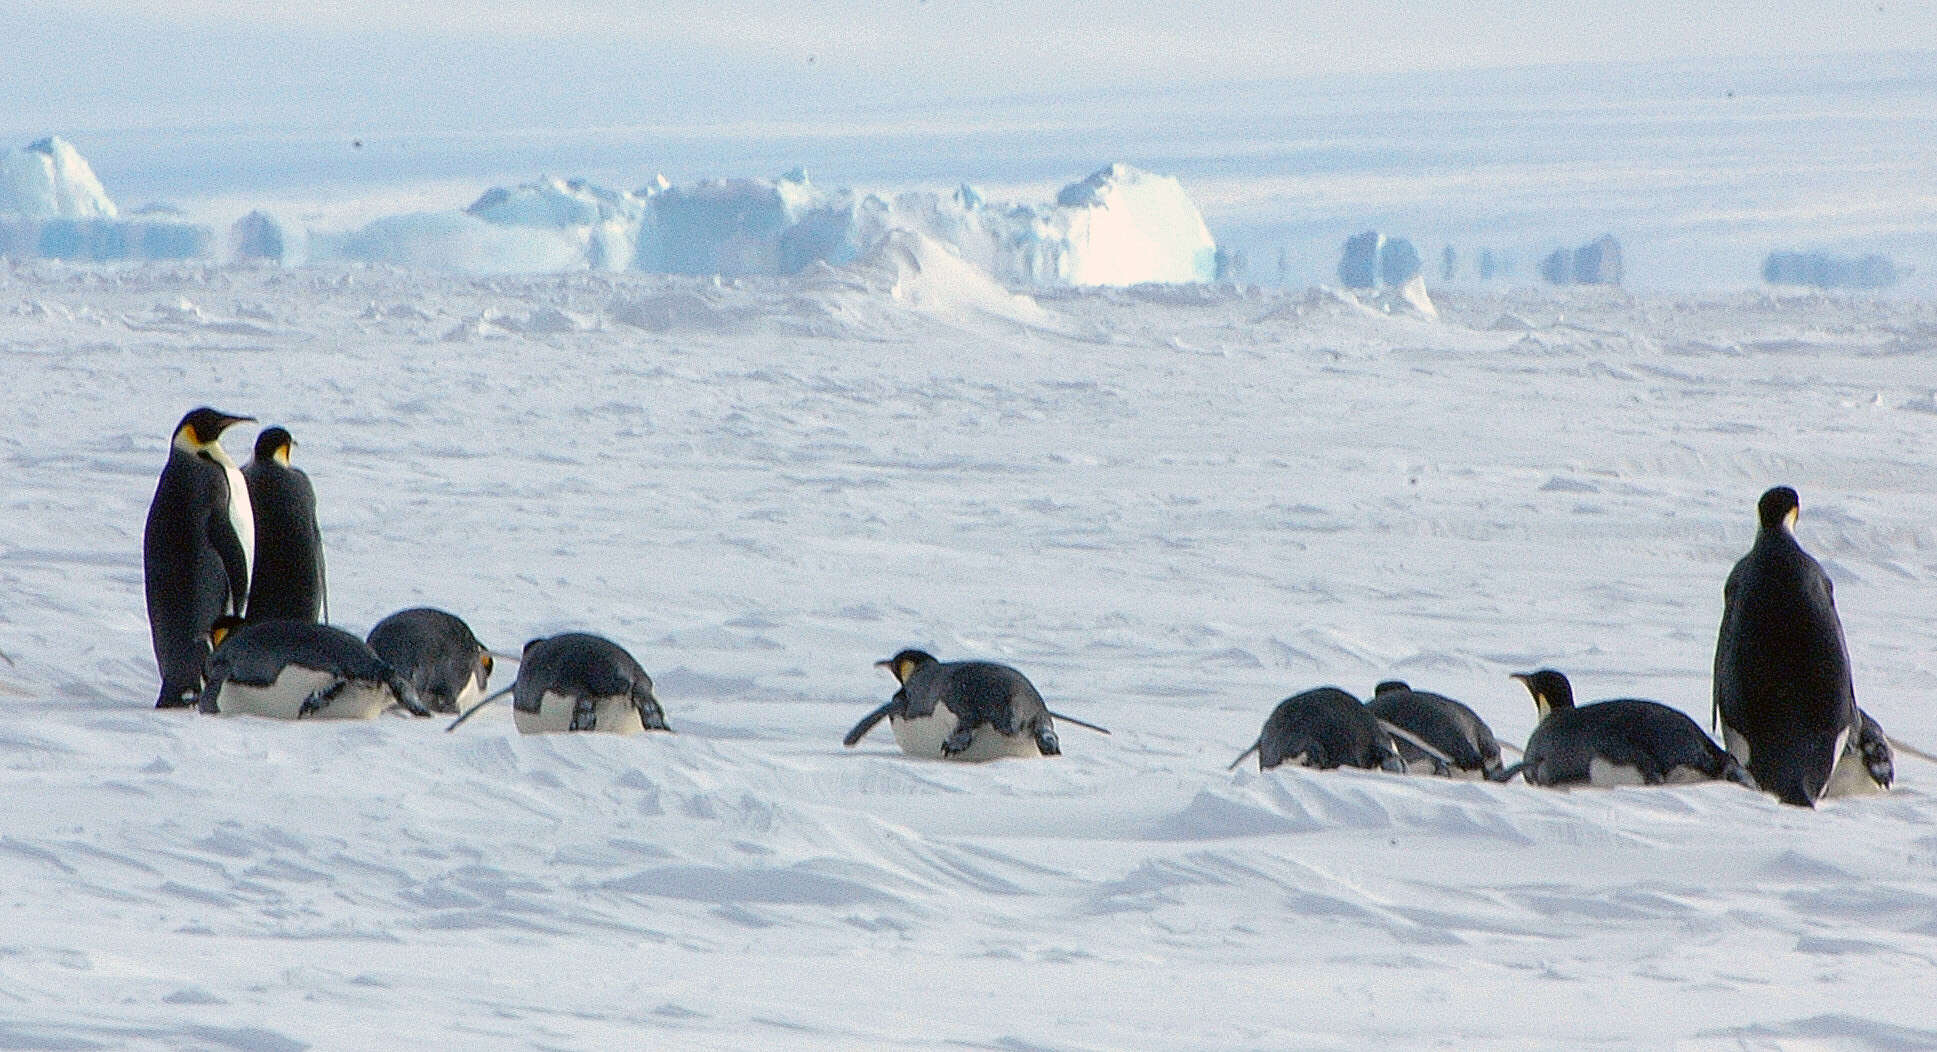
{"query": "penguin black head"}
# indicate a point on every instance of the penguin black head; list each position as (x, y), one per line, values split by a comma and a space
(1550, 690)
(274, 443)
(1778, 509)
(1391, 686)
(905, 663)
(203, 427)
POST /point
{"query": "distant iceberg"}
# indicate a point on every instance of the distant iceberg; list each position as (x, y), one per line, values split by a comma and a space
(1824, 271)
(50, 179)
(53, 207)
(1121, 226)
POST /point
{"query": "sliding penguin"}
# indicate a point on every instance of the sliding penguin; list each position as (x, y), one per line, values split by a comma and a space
(1323, 728)
(288, 576)
(1626, 741)
(964, 710)
(196, 551)
(1435, 734)
(1783, 693)
(576, 681)
(437, 653)
(297, 670)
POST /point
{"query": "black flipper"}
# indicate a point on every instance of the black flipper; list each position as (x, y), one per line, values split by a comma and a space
(1079, 723)
(1254, 748)
(867, 723)
(221, 534)
(407, 696)
(651, 716)
(480, 703)
(1506, 774)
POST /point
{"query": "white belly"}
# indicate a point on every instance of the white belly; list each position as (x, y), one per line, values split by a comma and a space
(1606, 775)
(283, 699)
(614, 714)
(242, 517)
(924, 737)
(1851, 776)
(473, 690)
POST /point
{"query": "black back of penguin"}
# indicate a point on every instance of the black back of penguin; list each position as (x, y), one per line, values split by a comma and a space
(288, 577)
(1447, 725)
(195, 552)
(1618, 741)
(246, 673)
(1324, 728)
(1782, 687)
(583, 667)
(436, 651)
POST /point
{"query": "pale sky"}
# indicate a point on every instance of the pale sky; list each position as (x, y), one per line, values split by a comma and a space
(157, 63)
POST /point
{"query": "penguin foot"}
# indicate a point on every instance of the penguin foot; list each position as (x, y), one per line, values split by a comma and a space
(320, 700)
(958, 743)
(1877, 760)
(1046, 742)
(585, 715)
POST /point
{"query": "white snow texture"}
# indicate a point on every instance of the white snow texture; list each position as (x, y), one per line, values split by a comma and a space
(1169, 506)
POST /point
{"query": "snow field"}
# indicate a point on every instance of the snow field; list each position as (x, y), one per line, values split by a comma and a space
(1171, 507)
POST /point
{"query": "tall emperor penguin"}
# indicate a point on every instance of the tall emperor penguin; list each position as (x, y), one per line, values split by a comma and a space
(1783, 691)
(196, 551)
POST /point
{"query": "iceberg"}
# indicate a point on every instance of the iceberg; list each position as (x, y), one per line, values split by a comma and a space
(50, 179)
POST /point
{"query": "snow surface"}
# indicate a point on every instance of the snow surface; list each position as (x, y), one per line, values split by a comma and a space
(1170, 506)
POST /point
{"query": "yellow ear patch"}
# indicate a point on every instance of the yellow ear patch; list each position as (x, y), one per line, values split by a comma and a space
(282, 453)
(904, 668)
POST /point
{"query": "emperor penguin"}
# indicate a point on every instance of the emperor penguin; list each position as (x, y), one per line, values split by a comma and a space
(296, 670)
(576, 681)
(1625, 741)
(437, 653)
(196, 551)
(1435, 734)
(1323, 728)
(287, 581)
(964, 710)
(1783, 693)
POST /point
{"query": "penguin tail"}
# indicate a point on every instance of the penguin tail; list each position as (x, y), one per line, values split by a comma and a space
(1077, 722)
(867, 723)
(1254, 748)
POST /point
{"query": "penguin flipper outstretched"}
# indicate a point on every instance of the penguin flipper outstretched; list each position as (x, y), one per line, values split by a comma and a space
(1079, 723)
(221, 534)
(1255, 746)
(867, 723)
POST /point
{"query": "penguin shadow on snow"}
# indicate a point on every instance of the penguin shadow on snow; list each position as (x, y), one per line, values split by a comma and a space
(964, 710)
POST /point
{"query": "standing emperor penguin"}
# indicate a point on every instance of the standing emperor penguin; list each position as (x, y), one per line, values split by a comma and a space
(1783, 693)
(287, 580)
(196, 551)
(964, 710)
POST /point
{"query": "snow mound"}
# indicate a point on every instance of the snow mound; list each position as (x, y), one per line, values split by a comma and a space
(926, 275)
(50, 179)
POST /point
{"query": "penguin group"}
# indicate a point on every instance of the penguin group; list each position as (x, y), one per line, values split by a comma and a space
(238, 615)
